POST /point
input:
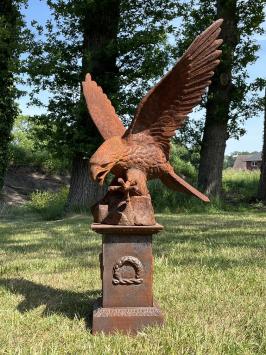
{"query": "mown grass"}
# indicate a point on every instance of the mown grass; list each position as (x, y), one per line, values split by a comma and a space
(210, 281)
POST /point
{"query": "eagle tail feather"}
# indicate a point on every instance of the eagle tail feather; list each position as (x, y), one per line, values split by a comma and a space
(175, 182)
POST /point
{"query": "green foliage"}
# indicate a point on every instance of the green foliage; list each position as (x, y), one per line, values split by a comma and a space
(199, 14)
(126, 65)
(165, 199)
(22, 145)
(229, 161)
(21, 133)
(180, 158)
(41, 159)
(48, 204)
(239, 190)
(11, 46)
(144, 51)
(25, 149)
(240, 186)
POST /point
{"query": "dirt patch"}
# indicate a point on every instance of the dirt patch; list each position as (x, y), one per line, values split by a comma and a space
(21, 181)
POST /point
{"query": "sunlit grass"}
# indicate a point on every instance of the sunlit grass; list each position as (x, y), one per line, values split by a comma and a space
(210, 281)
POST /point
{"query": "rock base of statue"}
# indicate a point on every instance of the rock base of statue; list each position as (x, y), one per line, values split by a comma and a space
(115, 209)
(126, 264)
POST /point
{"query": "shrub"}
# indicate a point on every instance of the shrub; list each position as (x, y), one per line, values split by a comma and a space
(164, 199)
(48, 204)
(180, 161)
(20, 155)
(25, 149)
(167, 200)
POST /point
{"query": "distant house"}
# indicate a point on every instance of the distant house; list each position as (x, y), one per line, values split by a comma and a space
(248, 162)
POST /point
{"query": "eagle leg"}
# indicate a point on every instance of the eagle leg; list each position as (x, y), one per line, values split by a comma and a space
(138, 178)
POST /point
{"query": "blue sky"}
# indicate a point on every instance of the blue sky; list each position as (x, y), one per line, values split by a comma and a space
(251, 141)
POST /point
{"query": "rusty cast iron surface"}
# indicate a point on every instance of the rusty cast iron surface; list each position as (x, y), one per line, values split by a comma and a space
(127, 271)
(141, 152)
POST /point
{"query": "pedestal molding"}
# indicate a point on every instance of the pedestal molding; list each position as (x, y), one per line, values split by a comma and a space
(117, 229)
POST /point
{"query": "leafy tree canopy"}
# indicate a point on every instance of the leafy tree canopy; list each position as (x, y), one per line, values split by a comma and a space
(197, 15)
(57, 58)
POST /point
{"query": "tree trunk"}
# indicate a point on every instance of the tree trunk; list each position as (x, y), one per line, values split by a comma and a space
(212, 157)
(262, 183)
(100, 25)
(83, 191)
(218, 105)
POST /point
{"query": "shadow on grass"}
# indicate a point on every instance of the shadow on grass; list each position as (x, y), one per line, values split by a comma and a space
(67, 303)
(73, 240)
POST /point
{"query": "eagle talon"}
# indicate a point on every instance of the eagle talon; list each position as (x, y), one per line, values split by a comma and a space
(125, 188)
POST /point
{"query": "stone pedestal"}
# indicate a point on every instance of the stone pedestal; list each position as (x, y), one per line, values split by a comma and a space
(127, 271)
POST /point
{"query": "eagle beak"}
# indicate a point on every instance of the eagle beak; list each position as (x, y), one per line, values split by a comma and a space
(101, 176)
(98, 173)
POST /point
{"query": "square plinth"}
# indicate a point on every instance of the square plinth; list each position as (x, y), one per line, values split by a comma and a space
(128, 320)
(127, 264)
(127, 271)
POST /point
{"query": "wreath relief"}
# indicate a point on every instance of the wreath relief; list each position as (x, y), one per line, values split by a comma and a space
(135, 263)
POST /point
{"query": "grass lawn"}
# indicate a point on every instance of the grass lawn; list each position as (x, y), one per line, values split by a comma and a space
(210, 281)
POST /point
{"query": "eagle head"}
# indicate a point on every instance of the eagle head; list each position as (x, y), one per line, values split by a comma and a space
(106, 157)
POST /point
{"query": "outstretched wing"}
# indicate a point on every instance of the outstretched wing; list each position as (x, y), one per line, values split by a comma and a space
(101, 110)
(166, 106)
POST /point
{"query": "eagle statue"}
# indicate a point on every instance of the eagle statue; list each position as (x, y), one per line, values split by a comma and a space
(141, 152)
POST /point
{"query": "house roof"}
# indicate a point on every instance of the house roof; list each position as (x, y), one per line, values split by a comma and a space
(254, 157)
(240, 162)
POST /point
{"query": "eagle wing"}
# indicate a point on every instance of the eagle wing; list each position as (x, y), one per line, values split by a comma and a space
(166, 106)
(101, 110)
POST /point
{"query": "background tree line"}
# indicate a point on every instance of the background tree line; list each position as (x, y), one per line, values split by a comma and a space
(125, 46)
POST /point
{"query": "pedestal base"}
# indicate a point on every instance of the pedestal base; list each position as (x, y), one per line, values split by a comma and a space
(124, 319)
